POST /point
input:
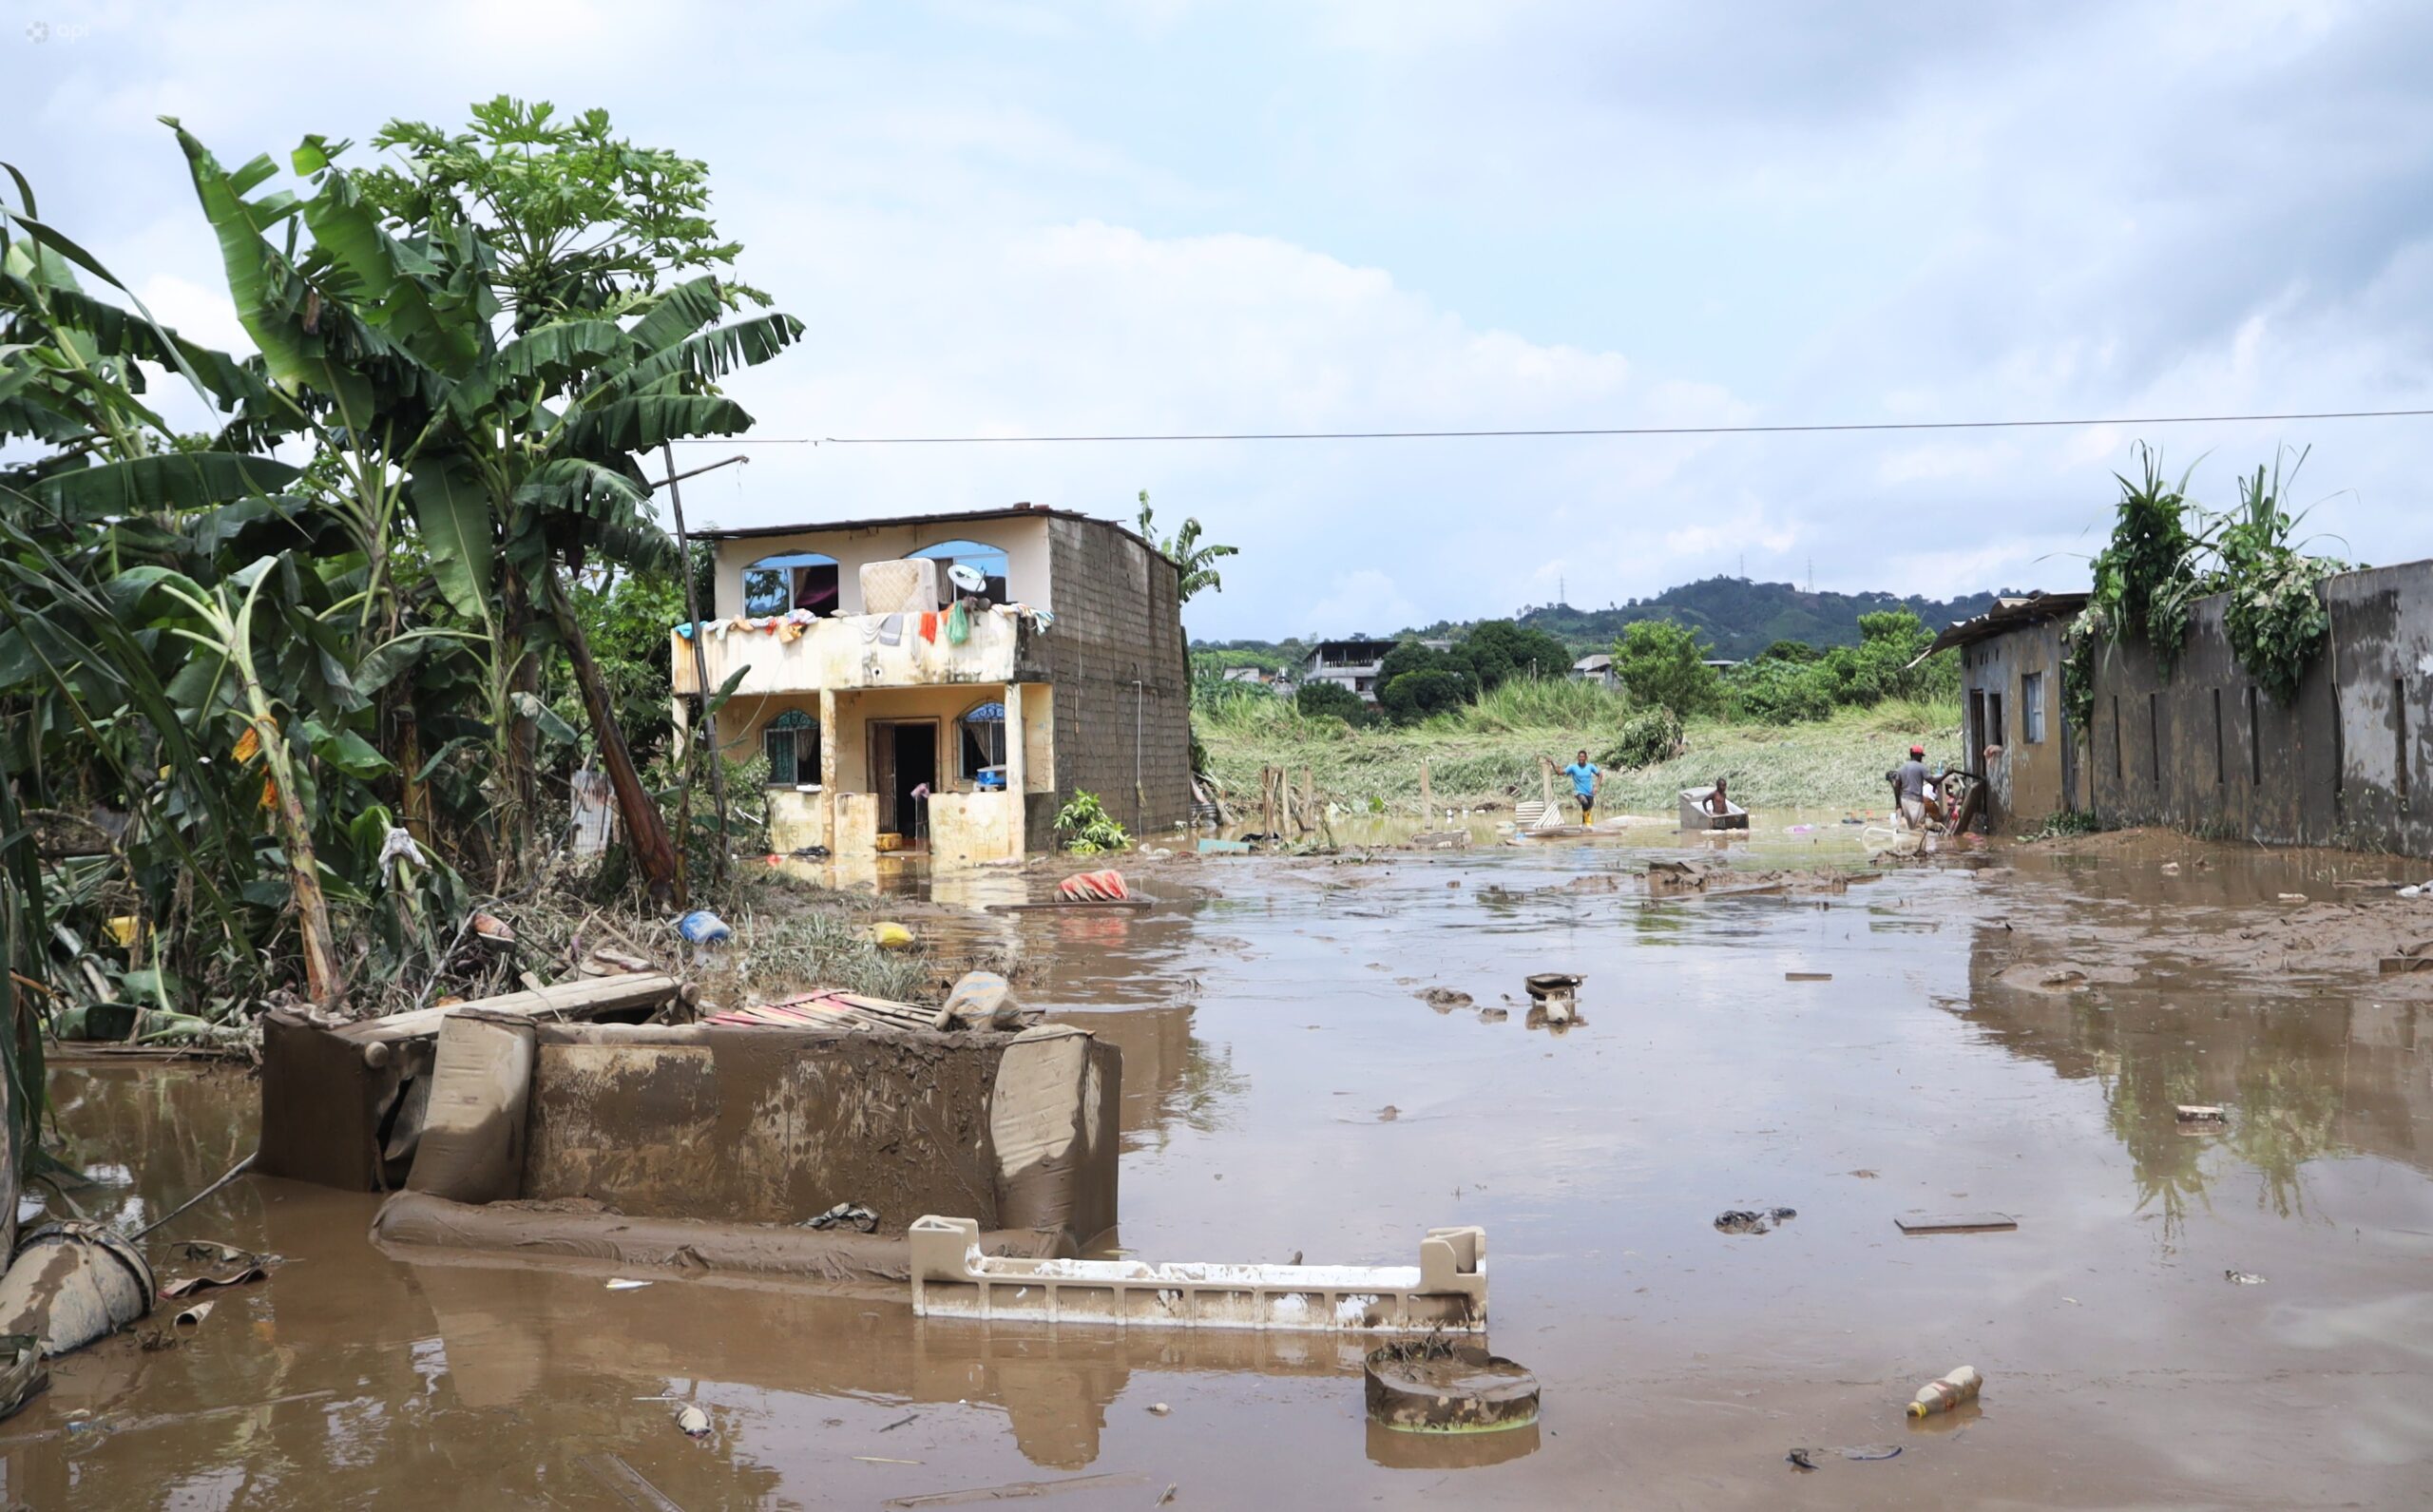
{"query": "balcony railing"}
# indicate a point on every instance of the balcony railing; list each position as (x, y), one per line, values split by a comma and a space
(854, 652)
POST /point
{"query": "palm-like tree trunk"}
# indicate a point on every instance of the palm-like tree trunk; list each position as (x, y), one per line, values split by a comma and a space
(645, 828)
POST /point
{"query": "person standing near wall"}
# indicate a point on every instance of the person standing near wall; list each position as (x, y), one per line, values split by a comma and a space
(1909, 788)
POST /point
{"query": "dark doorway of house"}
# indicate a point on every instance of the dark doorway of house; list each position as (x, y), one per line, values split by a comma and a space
(1974, 757)
(904, 755)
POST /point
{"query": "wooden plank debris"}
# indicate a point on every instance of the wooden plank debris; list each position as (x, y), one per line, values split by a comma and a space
(1956, 1222)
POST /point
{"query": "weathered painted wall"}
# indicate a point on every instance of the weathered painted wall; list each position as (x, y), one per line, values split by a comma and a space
(1117, 620)
(2343, 765)
(2030, 779)
(1029, 571)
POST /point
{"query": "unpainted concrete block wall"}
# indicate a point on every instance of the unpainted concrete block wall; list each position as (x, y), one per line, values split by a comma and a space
(2343, 765)
(1118, 621)
(2032, 780)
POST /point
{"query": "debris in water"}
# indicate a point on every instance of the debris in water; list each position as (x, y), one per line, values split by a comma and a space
(889, 935)
(186, 1285)
(1744, 1221)
(914, 1417)
(694, 1423)
(192, 1318)
(1158, 1409)
(846, 1215)
(1093, 887)
(1437, 1385)
(1167, 1496)
(1388, 1113)
(2199, 1113)
(1956, 1222)
(2242, 1278)
(1946, 1391)
(2293, 897)
(1018, 1490)
(1444, 1000)
(1807, 976)
(621, 1284)
(1805, 1456)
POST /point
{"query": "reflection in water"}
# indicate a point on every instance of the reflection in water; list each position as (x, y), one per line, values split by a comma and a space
(1398, 1450)
(2304, 1077)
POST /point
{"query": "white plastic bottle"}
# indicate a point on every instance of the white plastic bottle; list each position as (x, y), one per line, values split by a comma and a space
(1952, 1388)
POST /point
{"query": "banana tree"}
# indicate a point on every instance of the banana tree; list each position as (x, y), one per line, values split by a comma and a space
(518, 453)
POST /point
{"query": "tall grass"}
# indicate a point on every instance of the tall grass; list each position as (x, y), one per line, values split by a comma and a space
(1536, 703)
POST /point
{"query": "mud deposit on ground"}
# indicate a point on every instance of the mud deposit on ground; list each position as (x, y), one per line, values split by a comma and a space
(1677, 1365)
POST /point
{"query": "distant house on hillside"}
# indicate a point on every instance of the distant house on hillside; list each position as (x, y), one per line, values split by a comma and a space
(1348, 664)
(1598, 669)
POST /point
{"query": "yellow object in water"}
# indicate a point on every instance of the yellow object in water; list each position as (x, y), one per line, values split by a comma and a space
(890, 936)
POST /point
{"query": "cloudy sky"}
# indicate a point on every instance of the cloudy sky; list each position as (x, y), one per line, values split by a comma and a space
(1042, 219)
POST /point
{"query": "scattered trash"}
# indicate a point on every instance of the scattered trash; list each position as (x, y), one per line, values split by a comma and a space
(187, 1285)
(2170, 868)
(492, 929)
(1437, 1385)
(1949, 1390)
(1158, 1409)
(1017, 1490)
(1443, 1000)
(1388, 1113)
(1553, 984)
(702, 927)
(621, 1284)
(913, 1417)
(23, 1375)
(2293, 897)
(1494, 1015)
(1166, 1497)
(2242, 1278)
(1807, 976)
(2200, 1113)
(694, 1423)
(1956, 1222)
(1223, 847)
(980, 997)
(2415, 891)
(889, 935)
(1744, 1220)
(192, 1318)
(846, 1215)
(1806, 1458)
(1093, 887)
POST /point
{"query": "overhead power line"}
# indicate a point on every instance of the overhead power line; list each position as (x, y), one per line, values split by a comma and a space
(1814, 429)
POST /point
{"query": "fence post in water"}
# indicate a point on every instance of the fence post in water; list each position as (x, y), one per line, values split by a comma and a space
(1426, 797)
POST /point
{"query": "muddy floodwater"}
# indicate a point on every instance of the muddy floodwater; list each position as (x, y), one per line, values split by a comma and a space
(2006, 1032)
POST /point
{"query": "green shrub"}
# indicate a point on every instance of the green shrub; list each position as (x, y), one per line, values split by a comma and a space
(1316, 700)
(1648, 737)
(1663, 663)
(1414, 696)
(1085, 827)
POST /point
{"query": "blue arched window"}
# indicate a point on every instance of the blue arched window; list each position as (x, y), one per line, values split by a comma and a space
(792, 742)
(794, 580)
(982, 743)
(989, 561)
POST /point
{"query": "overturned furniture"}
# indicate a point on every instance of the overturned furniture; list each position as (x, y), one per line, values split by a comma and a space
(718, 1144)
(343, 1104)
(1446, 1291)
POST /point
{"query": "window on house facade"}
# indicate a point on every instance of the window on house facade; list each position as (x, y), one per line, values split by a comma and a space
(982, 744)
(2031, 708)
(796, 580)
(990, 562)
(792, 742)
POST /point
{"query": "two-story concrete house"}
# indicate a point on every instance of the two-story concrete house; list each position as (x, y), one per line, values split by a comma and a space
(885, 731)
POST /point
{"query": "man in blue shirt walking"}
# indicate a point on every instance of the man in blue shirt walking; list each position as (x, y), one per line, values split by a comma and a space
(1585, 780)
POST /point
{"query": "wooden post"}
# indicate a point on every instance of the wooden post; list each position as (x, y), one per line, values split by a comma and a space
(1426, 797)
(828, 764)
(1308, 798)
(1546, 780)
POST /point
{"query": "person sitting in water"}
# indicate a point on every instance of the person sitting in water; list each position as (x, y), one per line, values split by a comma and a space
(1586, 778)
(1717, 801)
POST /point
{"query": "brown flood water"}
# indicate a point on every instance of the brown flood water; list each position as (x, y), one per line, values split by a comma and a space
(1285, 1090)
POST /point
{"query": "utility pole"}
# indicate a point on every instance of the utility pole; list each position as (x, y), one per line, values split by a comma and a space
(701, 660)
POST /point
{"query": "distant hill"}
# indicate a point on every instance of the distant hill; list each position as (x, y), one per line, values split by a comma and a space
(1739, 617)
(1742, 618)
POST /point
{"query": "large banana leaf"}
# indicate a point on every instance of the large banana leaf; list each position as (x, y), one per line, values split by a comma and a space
(176, 480)
(704, 356)
(645, 420)
(385, 279)
(454, 510)
(581, 486)
(678, 312)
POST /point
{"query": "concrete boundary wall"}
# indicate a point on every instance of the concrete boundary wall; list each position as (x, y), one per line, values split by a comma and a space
(2209, 751)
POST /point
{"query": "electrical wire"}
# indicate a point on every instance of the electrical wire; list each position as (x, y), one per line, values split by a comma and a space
(1808, 428)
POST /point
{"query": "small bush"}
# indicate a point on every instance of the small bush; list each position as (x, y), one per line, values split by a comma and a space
(1648, 737)
(1319, 699)
(1085, 827)
(1660, 662)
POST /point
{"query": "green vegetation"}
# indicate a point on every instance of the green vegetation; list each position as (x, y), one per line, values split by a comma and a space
(1085, 827)
(1648, 737)
(1192, 559)
(2166, 552)
(1319, 699)
(287, 722)
(1663, 664)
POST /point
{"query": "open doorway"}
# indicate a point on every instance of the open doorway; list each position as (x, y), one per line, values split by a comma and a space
(904, 756)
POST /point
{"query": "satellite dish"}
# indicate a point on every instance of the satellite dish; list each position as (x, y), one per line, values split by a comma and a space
(967, 578)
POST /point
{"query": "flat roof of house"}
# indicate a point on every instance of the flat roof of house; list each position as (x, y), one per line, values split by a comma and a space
(2008, 614)
(1008, 511)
